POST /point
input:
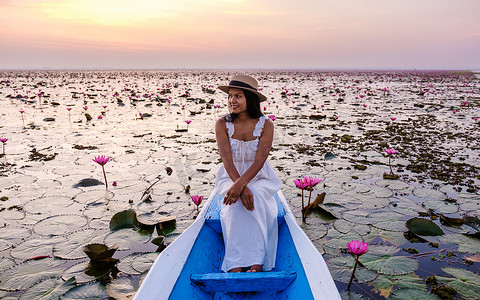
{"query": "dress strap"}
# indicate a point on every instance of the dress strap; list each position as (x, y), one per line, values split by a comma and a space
(230, 128)
(259, 126)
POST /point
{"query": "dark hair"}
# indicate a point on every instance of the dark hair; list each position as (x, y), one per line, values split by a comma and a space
(253, 107)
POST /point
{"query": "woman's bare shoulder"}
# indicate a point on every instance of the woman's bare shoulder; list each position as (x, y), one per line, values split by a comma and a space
(268, 124)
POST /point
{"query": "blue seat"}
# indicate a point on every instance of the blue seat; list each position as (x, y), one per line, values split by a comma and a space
(212, 218)
(244, 282)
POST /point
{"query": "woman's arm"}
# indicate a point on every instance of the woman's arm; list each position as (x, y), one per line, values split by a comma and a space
(223, 145)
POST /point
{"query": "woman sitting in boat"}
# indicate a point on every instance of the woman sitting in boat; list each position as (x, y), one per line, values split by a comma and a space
(246, 181)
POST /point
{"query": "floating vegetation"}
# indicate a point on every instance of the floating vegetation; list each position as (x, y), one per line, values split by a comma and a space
(51, 205)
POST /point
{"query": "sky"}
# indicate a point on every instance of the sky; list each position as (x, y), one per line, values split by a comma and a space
(245, 34)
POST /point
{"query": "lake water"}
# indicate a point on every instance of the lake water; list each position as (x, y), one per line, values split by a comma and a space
(333, 125)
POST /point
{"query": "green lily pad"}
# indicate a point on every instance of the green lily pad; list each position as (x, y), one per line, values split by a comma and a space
(77, 271)
(465, 243)
(341, 268)
(443, 207)
(36, 247)
(381, 259)
(143, 262)
(88, 182)
(93, 290)
(463, 281)
(5, 263)
(392, 184)
(13, 232)
(385, 284)
(60, 224)
(469, 204)
(124, 219)
(329, 155)
(346, 295)
(72, 248)
(405, 206)
(357, 216)
(344, 226)
(51, 288)
(429, 194)
(423, 227)
(125, 264)
(358, 187)
(122, 238)
(402, 294)
(123, 287)
(380, 192)
(387, 221)
(26, 274)
(339, 240)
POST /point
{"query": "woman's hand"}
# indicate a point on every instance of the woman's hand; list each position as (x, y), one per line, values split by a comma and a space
(233, 193)
(247, 199)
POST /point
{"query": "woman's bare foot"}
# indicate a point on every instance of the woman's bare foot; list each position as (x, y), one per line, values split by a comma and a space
(235, 270)
(255, 268)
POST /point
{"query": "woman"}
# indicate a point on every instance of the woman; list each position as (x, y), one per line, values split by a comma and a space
(246, 181)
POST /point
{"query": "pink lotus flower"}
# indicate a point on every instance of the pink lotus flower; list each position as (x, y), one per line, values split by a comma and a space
(104, 106)
(99, 117)
(312, 180)
(102, 160)
(390, 151)
(85, 107)
(454, 111)
(393, 119)
(69, 108)
(272, 117)
(357, 248)
(197, 200)
(188, 121)
(22, 111)
(114, 183)
(301, 183)
(475, 118)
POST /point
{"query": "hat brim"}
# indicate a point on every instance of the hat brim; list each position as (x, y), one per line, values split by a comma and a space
(225, 88)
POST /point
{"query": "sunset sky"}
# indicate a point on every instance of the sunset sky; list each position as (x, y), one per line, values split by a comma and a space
(269, 34)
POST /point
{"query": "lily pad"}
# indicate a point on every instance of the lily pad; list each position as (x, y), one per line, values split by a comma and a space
(143, 262)
(51, 288)
(402, 294)
(35, 247)
(124, 219)
(423, 227)
(392, 184)
(60, 224)
(72, 248)
(339, 240)
(93, 290)
(429, 194)
(463, 281)
(123, 287)
(443, 207)
(341, 268)
(99, 252)
(344, 226)
(6, 263)
(122, 238)
(26, 274)
(387, 221)
(329, 155)
(88, 182)
(381, 259)
(384, 284)
(125, 264)
(465, 243)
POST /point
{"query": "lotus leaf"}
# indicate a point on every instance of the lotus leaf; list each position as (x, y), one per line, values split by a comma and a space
(465, 243)
(345, 295)
(387, 221)
(60, 224)
(99, 252)
(26, 274)
(341, 268)
(143, 262)
(392, 184)
(381, 258)
(423, 227)
(124, 219)
(402, 294)
(6, 263)
(125, 264)
(123, 237)
(443, 207)
(11, 233)
(72, 248)
(51, 288)
(344, 226)
(384, 284)
(463, 281)
(36, 247)
(123, 287)
(429, 194)
(93, 290)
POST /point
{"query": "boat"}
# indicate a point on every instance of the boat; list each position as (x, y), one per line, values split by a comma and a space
(189, 268)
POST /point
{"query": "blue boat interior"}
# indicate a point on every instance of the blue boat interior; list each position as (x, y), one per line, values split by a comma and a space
(202, 278)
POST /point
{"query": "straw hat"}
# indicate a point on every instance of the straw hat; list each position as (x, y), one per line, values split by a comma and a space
(244, 82)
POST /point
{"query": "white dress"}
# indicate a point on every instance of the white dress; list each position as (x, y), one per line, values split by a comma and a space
(250, 237)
